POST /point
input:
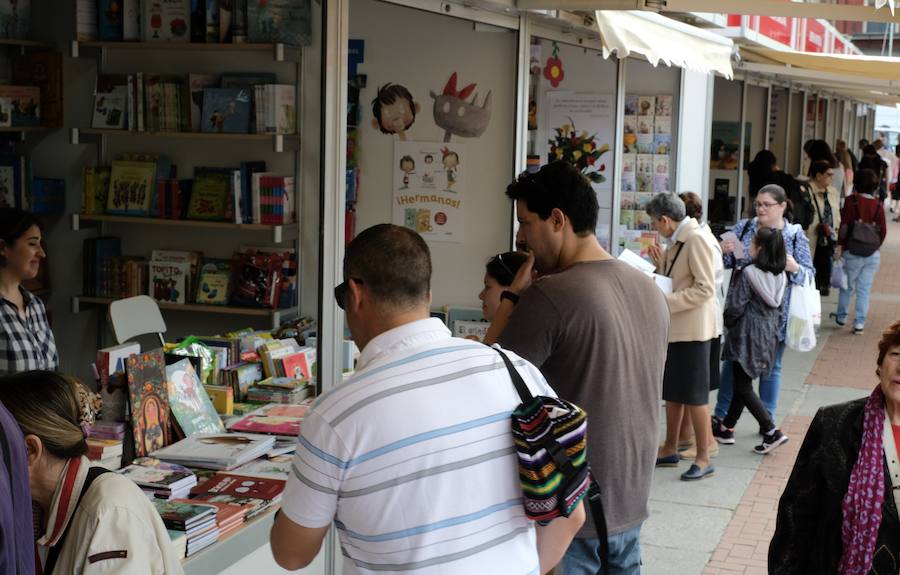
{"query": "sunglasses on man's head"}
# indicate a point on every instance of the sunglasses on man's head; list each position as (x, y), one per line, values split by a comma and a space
(340, 291)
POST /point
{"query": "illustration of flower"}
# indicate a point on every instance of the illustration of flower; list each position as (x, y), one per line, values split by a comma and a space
(553, 70)
(580, 150)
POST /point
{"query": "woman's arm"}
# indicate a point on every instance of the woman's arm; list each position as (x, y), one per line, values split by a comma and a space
(801, 254)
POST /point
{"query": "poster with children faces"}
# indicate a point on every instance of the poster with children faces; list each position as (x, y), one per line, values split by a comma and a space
(429, 189)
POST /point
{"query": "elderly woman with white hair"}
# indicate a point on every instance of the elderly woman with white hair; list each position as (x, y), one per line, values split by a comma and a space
(690, 262)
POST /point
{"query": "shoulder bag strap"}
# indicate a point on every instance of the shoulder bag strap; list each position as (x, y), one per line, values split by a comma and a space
(745, 230)
(53, 554)
(524, 392)
(675, 259)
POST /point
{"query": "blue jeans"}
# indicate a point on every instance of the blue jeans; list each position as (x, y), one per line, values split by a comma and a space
(583, 556)
(769, 386)
(860, 275)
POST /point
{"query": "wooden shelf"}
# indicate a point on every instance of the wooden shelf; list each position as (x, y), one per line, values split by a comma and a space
(276, 231)
(24, 43)
(277, 140)
(276, 315)
(24, 129)
(278, 51)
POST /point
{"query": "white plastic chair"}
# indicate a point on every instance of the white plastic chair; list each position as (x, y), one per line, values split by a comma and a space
(135, 316)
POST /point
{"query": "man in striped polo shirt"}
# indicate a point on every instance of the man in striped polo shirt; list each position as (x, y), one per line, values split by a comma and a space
(413, 457)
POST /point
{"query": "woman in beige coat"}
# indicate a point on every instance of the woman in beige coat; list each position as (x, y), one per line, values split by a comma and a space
(93, 521)
(822, 232)
(690, 263)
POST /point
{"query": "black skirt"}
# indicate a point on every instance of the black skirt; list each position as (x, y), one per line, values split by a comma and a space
(686, 378)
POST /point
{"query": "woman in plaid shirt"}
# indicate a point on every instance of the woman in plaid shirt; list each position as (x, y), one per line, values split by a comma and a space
(26, 341)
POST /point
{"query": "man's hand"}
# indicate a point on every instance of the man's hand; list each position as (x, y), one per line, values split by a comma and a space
(656, 254)
(525, 276)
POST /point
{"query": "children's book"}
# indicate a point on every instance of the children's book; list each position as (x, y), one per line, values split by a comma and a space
(217, 451)
(131, 20)
(212, 20)
(273, 419)
(155, 474)
(226, 110)
(241, 486)
(169, 281)
(197, 83)
(111, 367)
(183, 515)
(43, 68)
(662, 125)
(149, 403)
(110, 102)
(664, 105)
(209, 194)
(109, 20)
(285, 106)
(25, 102)
(646, 105)
(284, 21)
(278, 467)
(166, 20)
(213, 282)
(222, 398)
(189, 402)
(131, 188)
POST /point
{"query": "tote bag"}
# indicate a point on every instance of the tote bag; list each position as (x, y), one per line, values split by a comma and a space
(801, 332)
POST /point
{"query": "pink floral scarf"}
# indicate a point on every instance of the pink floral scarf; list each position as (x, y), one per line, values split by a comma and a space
(865, 494)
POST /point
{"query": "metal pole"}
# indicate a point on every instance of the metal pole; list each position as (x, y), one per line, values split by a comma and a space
(739, 203)
(891, 40)
(618, 156)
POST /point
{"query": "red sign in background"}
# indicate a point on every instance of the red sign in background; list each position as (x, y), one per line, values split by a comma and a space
(778, 29)
(814, 39)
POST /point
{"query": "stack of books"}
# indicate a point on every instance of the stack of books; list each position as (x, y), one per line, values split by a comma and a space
(229, 518)
(159, 479)
(253, 494)
(279, 390)
(217, 451)
(107, 430)
(106, 452)
(287, 358)
(196, 520)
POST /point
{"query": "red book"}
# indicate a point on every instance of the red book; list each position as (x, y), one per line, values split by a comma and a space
(296, 366)
(241, 486)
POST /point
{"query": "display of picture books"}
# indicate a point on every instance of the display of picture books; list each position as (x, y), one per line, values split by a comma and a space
(169, 281)
(166, 21)
(189, 402)
(160, 479)
(226, 110)
(217, 451)
(660, 174)
(149, 403)
(131, 186)
(631, 105)
(213, 282)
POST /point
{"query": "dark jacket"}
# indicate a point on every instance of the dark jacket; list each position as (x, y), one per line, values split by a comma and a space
(808, 531)
(752, 311)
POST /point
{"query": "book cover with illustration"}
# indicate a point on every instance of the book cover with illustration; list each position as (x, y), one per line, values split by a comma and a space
(285, 96)
(169, 281)
(217, 451)
(209, 194)
(226, 111)
(646, 105)
(241, 486)
(166, 20)
(662, 144)
(149, 403)
(153, 473)
(277, 467)
(110, 108)
(662, 125)
(182, 515)
(274, 419)
(283, 21)
(664, 105)
(130, 188)
(196, 84)
(660, 174)
(43, 69)
(631, 105)
(25, 103)
(189, 401)
(214, 281)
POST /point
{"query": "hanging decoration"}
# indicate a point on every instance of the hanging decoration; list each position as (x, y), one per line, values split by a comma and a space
(553, 69)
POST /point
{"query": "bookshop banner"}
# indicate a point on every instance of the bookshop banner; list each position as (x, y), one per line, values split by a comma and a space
(429, 185)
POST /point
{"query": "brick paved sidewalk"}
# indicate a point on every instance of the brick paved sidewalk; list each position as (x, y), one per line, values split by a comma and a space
(846, 361)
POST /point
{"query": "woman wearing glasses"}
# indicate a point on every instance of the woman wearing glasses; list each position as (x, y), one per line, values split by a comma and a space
(770, 205)
(822, 232)
(502, 285)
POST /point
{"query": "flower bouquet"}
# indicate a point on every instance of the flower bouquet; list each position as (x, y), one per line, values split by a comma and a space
(580, 150)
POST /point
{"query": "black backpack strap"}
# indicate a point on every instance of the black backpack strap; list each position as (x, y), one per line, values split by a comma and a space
(53, 554)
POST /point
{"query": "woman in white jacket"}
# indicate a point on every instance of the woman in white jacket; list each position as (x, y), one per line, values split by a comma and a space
(93, 521)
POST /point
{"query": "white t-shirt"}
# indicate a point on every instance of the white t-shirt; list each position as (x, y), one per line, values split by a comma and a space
(413, 459)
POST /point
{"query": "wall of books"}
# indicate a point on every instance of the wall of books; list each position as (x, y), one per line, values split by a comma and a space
(649, 134)
(571, 116)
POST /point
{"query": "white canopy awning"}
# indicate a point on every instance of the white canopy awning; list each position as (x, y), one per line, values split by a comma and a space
(661, 39)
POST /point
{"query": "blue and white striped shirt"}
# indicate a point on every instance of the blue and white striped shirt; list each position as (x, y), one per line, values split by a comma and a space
(413, 459)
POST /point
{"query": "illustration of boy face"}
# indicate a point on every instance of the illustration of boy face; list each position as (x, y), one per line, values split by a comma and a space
(394, 110)
(397, 116)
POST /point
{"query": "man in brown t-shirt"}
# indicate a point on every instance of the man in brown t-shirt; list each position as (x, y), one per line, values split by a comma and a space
(597, 329)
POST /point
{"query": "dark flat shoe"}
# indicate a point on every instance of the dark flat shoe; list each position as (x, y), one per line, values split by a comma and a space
(668, 460)
(695, 473)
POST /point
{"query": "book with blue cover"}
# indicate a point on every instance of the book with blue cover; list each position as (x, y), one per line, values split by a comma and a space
(110, 20)
(226, 111)
(284, 21)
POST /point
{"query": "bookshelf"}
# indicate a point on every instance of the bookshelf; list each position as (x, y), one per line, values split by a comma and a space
(280, 151)
(275, 316)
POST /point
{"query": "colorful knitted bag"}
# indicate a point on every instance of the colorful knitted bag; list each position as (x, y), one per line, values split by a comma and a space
(551, 443)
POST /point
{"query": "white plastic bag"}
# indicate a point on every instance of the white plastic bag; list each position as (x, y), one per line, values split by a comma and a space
(801, 332)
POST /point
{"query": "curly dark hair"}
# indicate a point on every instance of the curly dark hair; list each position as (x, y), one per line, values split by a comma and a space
(387, 95)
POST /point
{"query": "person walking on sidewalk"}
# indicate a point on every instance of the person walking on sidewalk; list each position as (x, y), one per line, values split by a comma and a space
(597, 329)
(822, 232)
(838, 512)
(751, 315)
(862, 232)
(690, 262)
(771, 205)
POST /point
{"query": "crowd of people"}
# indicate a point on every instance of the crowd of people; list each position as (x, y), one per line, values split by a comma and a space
(412, 458)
